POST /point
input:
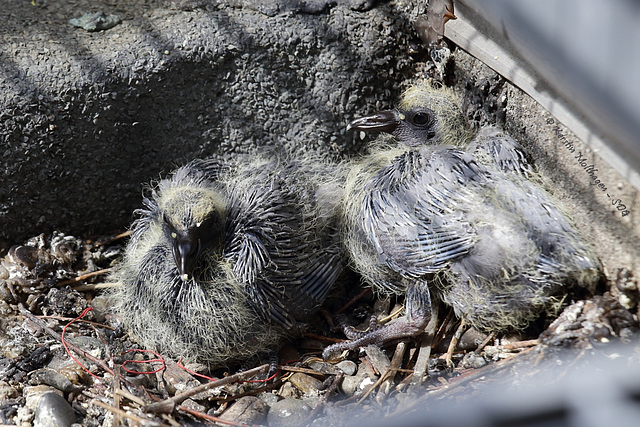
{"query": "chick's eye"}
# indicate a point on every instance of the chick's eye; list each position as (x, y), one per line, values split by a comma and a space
(421, 118)
(168, 227)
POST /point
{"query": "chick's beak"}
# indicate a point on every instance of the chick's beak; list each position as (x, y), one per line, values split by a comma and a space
(383, 121)
(186, 250)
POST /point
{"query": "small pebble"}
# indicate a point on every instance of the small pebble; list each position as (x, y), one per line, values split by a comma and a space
(357, 383)
(54, 379)
(269, 398)
(53, 411)
(177, 379)
(324, 367)
(473, 360)
(7, 391)
(306, 383)
(193, 405)
(288, 412)
(95, 21)
(32, 394)
(247, 410)
(378, 358)
(288, 391)
(348, 367)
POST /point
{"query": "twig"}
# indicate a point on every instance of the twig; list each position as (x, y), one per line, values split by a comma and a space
(208, 417)
(354, 300)
(323, 338)
(84, 276)
(422, 363)
(126, 414)
(275, 384)
(95, 286)
(439, 335)
(370, 390)
(454, 343)
(394, 367)
(390, 316)
(404, 383)
(484, 343)
(403, 370)
(114, 238)
(299, 369)
(57, 336)
(116, 396)
(517, 345)
(69, 319)
(323, 400)
(168, 405)
(131, 397)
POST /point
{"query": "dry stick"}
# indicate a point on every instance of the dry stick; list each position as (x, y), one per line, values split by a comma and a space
(302, 370)
(126, 414)
(172, 422)
(57, 336)
(390, 316)
(208, 417)
(517, 345)
(332, 388)
(323, 338)
(439, 335)
(167, 406)
(459, 382)
(405, 382)
(354, 300)
(114, 238)
(422, 363)
(84, 276)
(276, 383)
(484, 343)
(454, 343)
(69, 319)
(131, 397)
(95, 286)
(382, 378)
(396, 361)
(116, 395)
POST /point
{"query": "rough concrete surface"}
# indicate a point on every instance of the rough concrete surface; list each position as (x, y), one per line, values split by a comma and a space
(87, 117)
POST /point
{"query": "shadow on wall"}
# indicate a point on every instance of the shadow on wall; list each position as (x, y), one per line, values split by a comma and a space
(88, 117)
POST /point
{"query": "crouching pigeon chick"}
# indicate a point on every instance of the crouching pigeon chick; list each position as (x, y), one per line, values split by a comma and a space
(440, 213)
(224, 262)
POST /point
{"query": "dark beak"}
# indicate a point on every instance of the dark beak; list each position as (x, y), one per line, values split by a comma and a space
(186, 250)
(384, 121)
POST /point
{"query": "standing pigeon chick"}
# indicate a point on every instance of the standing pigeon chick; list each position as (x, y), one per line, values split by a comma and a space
(224, 262)
(427, 218)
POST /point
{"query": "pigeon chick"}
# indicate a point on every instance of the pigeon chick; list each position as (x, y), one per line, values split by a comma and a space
(439, 213)
(224, 262)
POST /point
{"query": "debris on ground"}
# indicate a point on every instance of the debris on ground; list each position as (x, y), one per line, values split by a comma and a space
(62, 353)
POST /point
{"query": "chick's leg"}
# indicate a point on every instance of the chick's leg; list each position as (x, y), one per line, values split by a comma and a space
(418, 314)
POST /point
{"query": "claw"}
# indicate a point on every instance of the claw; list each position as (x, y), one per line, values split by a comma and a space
(401, 328)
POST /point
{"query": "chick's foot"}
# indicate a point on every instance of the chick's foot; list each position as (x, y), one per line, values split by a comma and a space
(401, 328)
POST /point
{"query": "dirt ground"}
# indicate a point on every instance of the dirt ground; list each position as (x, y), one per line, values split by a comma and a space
(49, 280)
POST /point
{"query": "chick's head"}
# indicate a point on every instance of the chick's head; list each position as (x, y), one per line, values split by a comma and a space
(192, 220)
(425, 115)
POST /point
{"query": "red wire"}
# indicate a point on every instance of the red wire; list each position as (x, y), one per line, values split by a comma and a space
(216, 379)
(261, 381)
(64, 342)
(131, 371)
(195, 373)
